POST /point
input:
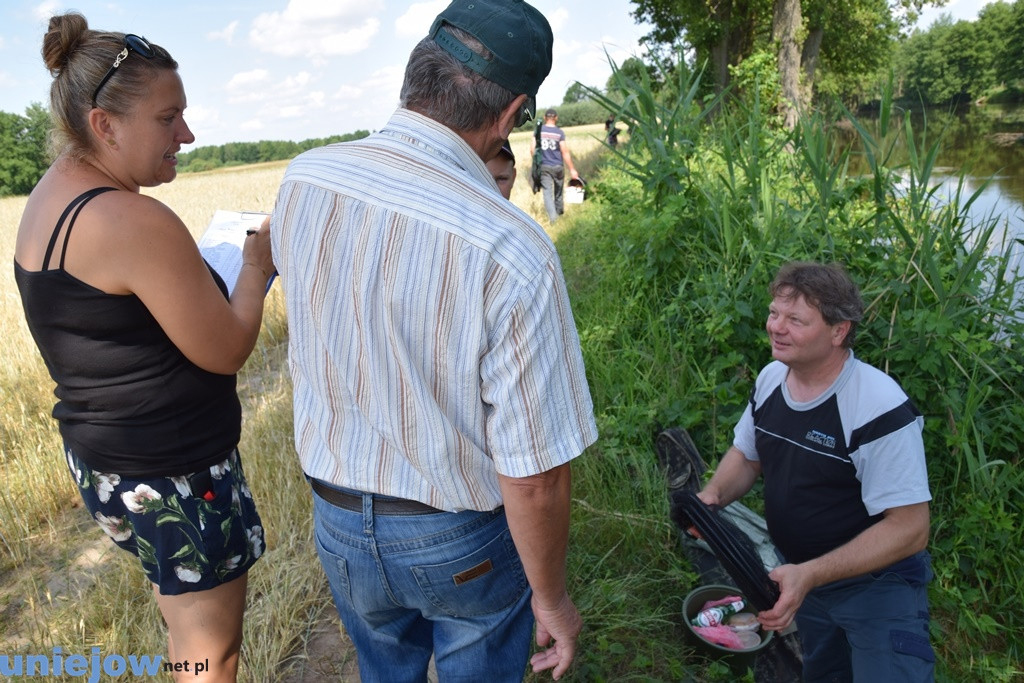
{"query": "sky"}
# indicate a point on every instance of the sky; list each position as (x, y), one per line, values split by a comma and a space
(298, 69)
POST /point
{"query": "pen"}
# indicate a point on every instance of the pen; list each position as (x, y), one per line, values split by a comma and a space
(250, 232)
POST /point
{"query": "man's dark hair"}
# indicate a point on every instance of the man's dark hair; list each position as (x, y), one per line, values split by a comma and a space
(827, 287)
(441, 87)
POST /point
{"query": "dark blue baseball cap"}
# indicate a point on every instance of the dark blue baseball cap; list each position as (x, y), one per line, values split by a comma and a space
(506, 150)
(518, 36)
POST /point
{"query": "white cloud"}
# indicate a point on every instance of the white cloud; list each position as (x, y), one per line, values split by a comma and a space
(226, 35)
(297, 82)
(388, 78)
(45, 10)
(200, 117)
(418, 18)
(347, 92)
(317, 29)
(558, 19)
(247, 79)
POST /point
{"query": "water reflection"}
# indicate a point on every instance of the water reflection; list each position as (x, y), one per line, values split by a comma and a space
(991, 204)
(980, 142)
(983, 143)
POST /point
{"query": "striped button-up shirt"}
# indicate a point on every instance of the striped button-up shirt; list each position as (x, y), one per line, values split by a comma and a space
(431, 343)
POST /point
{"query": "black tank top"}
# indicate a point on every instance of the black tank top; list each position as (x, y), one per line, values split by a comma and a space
(129, 402)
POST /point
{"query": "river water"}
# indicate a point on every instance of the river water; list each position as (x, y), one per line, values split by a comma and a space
(984, 144)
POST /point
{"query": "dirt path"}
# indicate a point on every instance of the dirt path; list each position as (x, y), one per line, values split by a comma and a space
(327, 656)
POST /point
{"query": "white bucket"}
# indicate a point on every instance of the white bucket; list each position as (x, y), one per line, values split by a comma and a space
(574, 193)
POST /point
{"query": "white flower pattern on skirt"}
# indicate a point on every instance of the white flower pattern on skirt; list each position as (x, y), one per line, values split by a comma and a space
(181, 483)
(105, 484)
(117, 528)
(182, 540)
(255, 535)
(188, 573)
(143, 499)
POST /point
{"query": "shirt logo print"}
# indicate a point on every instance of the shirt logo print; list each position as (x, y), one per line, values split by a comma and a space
(821, 439)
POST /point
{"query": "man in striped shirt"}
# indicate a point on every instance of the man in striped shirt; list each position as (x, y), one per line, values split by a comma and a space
(439, 388)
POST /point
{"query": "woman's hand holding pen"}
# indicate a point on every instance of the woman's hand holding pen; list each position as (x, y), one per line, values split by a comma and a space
(256, 251)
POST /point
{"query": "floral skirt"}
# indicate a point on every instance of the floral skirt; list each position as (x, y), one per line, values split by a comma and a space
(190, 533)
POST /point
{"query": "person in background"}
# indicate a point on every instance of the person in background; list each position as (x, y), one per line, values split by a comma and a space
(439, 388)
(555, 159)
(503, 170)
(141, 339)
(840, 448)
(611, 131)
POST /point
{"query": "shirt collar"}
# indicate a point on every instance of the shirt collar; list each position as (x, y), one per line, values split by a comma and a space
(437, 140)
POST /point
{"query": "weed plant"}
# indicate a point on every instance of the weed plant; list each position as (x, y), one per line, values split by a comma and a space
(669, 278)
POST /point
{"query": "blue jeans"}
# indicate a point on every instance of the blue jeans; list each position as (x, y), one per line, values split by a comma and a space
(408, 586)
(869, 628)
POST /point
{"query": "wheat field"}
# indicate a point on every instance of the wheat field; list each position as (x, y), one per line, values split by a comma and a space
(62, 583)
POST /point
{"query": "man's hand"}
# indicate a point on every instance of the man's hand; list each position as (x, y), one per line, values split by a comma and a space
(795, 582)
(562, 624)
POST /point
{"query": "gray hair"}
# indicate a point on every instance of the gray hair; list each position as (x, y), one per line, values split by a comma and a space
(829, 288)
(441, 87)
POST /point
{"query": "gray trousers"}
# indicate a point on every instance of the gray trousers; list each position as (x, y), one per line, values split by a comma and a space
(551, 180)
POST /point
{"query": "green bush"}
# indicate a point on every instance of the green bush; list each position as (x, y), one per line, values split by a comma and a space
(669, 276)
(581, 113)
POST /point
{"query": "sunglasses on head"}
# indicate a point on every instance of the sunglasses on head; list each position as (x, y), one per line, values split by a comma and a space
(132, 43)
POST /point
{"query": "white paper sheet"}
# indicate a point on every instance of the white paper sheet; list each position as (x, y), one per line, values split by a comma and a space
(221, 244)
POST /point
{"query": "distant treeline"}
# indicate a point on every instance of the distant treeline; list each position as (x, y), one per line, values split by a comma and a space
(957, 61)
(210, 157)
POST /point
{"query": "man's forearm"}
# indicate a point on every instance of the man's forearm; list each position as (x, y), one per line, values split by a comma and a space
(567, 161)
(537, 509)
(733, 477)
(903, 532)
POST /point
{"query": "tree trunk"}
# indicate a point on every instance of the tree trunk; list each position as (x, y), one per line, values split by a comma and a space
(786, 24)
(809, 59)
(720, 64)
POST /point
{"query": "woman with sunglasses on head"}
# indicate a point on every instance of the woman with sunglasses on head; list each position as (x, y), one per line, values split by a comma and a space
(141, 338)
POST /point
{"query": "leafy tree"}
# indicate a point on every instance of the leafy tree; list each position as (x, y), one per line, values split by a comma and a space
(811, 38)
(1001, 27)
(23, 159)
(719, 33)
(634, 69)
(577, 92)
(994, 28)
(955, 61)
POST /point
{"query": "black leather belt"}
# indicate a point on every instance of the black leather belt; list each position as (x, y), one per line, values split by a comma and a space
(381, 506)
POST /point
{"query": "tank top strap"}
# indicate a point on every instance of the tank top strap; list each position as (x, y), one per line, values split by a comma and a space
(76, 205)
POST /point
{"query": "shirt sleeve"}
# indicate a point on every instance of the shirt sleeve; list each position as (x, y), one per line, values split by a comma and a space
(540, 413)
(743, 435)
(892, 470)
